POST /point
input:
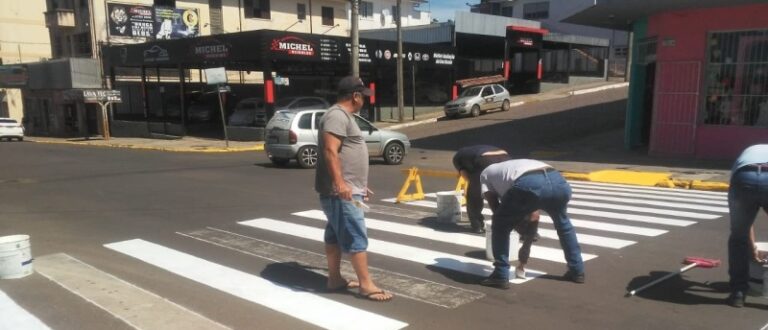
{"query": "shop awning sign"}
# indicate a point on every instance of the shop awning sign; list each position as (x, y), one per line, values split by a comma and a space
(101, 96)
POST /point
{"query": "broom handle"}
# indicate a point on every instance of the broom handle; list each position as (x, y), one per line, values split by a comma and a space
(665, 277)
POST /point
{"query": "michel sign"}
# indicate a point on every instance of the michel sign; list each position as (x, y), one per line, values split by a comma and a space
(293, 46)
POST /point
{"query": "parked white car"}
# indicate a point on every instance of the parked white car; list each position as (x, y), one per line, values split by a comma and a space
(478, 99)
(11, 129)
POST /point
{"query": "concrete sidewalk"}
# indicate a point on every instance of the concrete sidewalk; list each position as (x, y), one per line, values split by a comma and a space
(185, 144)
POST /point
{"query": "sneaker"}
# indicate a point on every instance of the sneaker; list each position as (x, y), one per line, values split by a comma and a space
(501, 283)
(736, 299)
(573, 277)
(478, 230)
(520, 273)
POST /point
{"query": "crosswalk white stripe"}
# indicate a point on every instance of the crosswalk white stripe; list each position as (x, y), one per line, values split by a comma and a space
(137, 307)
(671, 192)
(573, 210)
(644, 188)
(578, 191)
(13, 316)
(594, 225)
(313, 309)
(538, 252)
(448, 261)
(692, 215)
(649, 202)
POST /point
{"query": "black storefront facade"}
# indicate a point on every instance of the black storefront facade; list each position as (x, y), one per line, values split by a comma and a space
(164, 92)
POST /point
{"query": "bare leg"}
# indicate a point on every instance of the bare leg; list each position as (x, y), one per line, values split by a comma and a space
(333, 254)
(360, 263)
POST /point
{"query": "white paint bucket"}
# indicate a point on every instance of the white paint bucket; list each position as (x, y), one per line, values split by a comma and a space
(758, 274)
(514, 243)
(448, 207)
(15, 257)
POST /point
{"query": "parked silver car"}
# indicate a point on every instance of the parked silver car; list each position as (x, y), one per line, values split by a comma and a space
(293, 134)
(478, 99)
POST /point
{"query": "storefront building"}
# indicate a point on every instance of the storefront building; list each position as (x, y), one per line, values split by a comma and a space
(699, 74)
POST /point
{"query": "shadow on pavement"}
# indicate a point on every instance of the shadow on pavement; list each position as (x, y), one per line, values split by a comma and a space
(295, 276)
(678, 290)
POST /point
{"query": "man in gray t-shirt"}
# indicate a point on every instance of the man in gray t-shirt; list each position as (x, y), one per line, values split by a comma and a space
(341, 179)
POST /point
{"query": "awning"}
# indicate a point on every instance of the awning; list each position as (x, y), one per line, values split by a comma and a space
(480, 81)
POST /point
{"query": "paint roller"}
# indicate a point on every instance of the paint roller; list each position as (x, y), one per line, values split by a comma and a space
(690, 262)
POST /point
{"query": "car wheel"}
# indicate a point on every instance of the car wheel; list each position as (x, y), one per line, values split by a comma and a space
(307, 157)
(505, 105)
(280, 161)
(475, 111)
(394, 153)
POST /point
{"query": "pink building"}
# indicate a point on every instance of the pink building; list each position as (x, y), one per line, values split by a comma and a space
(699, 73)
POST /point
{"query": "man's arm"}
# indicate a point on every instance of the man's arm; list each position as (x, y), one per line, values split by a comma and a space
(493, 200)
(331, 146)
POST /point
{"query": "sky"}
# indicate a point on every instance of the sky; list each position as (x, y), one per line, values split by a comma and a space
(445, 9)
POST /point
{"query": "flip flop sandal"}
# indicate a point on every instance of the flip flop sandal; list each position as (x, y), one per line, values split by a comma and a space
(370, 295)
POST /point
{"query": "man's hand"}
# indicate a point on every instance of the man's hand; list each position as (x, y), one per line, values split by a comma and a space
(343, 191)
(368, 194)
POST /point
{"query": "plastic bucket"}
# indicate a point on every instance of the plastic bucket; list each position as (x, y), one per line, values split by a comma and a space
(514, 243)
(758, 274)
(15, 256)
(448, 207)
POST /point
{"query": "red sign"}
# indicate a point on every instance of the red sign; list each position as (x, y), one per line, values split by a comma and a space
(293, 46)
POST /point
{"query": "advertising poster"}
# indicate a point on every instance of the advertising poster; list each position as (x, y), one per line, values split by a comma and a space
(176, 23)
(130, 21)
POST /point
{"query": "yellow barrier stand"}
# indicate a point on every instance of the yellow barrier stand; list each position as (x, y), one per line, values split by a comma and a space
(414, 177)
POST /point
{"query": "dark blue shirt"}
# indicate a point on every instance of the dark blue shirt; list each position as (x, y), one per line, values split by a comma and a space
(467, 158)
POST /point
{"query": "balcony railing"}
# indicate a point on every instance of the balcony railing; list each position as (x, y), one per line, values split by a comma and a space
(60, 18)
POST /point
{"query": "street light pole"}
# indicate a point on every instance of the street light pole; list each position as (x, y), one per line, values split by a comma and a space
(400, 101)
(355, 36)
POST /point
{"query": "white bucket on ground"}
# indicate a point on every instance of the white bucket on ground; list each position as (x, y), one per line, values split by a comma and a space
(448, 207)
(758, 274)
(15, 256)
(514, 243)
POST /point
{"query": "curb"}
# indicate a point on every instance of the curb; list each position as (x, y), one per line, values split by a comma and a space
(648, 179)
(598, 89)
(257, 147)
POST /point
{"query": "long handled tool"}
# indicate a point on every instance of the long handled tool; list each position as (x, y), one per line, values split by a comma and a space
(689, 262)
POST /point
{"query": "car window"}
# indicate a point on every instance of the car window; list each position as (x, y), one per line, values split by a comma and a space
(487, 92)
(364, 125)
(318, 117)
(8, 121)
(497, 89)
(281, 120)
(474, 91)
(319, 104)
(305, 121)
(284, 102)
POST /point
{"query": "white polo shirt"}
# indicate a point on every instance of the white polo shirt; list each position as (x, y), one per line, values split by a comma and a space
(500, 177)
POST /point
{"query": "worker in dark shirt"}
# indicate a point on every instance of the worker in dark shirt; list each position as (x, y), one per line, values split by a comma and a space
(470, 162)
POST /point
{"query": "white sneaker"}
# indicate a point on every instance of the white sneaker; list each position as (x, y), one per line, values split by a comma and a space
(520, 272)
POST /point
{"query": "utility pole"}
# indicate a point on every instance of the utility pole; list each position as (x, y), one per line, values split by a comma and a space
(400, 102)
(355, 36)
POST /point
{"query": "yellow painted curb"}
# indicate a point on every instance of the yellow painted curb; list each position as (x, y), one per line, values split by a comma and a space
(649, 179)
(257, 147)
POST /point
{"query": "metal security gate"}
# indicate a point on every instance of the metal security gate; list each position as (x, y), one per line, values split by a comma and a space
(675, 108)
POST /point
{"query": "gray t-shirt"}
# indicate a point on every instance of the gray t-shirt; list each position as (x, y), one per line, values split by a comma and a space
(500, 177)
(353, 154)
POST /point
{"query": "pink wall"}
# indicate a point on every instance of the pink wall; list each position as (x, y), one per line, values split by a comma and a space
(685, 34)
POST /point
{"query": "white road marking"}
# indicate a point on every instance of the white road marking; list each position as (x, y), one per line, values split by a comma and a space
(653, 203)
(692, 215)
(401, 285)
(13, 316)
(133, 305)
(693, 193)
(304, 306)
(448, 261)
(475, 241)
(594, 224)
(695, 200)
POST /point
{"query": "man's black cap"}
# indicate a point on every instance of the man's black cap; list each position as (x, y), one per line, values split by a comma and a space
(352, 84)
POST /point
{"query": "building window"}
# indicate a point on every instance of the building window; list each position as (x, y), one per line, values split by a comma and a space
(416, 12)
(736, 79)
(257, 9)
(301, 11)
(507, 11)
(165, 3)
(536, 10)
(327, 16)
(620, 51)
(83, 43)
(366, 9)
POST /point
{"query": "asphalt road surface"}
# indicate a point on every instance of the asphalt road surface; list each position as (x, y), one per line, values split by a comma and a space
(138, 239)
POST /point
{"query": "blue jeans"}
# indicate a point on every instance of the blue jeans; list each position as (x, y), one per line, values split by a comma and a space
(747, 194)
(538, 190)
(346, 224)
